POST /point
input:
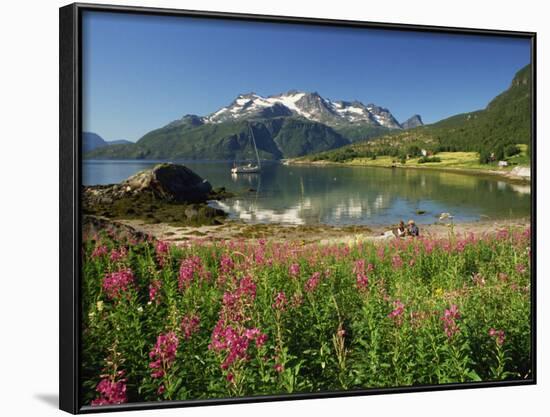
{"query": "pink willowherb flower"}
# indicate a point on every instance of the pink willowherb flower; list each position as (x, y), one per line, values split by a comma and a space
(163, 354)
(294, 270)
(261, 339)
(189, 269)
(396, 262)
(397, 313)
(234, 342)
(362, 281)
(162, 247)
(280, 301)
(154, 290)
(359, 267)
(259, 255)
(247, 287)
(503, 234)
(446, 246)
(190, 325)
(162, 250)
(255, 334)
(429, 246)
(236, 303)
(116, 283)
(279, 368)
(110, 392)
(99, 251)
(461, 245)
(117, 255)
(499, 336)
(226, 264)
(450, 316)
(313, 282)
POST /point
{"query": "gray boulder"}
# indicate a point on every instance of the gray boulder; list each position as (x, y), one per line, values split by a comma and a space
(170, 182)
(165, 182)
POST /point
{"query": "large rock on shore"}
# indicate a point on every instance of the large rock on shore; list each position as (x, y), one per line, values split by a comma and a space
(170, 182)
(165, 182)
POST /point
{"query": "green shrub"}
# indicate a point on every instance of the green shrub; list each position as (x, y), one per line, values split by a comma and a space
(511, 150)
(427, 159)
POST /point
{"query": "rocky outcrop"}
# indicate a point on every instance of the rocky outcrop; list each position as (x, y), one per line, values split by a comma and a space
(521, 172)
(167, 193)
(95, 225)
(412, 122)
(165, 182)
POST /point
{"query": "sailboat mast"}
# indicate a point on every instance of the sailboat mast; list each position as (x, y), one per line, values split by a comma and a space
(255, 148)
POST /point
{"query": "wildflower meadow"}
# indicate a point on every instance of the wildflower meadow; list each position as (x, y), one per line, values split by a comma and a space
(242, 318)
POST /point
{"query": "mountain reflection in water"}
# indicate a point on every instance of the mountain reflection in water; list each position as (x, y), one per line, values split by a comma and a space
(343, 195)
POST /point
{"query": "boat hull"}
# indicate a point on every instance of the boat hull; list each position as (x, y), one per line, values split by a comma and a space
(245, 170)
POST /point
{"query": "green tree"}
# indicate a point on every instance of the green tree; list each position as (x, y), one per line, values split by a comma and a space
(484, 156)
(511, 150)
(499, 153)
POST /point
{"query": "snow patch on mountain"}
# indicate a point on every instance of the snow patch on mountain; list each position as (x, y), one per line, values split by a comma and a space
(308, 105)
(288, 101)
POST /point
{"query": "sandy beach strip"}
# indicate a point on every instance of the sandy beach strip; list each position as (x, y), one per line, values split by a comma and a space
(310, 234)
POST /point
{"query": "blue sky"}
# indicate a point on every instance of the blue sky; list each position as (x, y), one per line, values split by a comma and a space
(141, 72)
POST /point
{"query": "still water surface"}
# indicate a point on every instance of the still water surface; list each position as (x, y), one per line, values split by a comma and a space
(343, 195)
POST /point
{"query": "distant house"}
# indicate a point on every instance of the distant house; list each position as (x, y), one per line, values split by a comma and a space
(424, 152)
(502, 164)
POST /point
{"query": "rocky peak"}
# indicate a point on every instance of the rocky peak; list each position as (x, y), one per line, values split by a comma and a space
(310, 105)
(412, 122)
(187, 119)
(383, 116)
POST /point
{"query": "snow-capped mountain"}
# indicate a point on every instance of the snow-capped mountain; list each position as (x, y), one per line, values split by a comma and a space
(308, 105)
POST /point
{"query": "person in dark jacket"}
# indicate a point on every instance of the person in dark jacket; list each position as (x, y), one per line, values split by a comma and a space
(413, 229)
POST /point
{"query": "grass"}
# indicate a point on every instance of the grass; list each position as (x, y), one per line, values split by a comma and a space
(449, 160)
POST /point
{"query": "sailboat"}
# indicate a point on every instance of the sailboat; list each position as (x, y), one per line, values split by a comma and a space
(249, 168)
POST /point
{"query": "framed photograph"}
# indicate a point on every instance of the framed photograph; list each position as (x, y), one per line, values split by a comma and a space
(260, 208)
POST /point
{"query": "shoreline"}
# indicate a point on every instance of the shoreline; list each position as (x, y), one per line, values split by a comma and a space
(305, 234)
(506, 175)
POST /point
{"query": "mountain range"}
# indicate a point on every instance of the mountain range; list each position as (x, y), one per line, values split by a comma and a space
(285, 125)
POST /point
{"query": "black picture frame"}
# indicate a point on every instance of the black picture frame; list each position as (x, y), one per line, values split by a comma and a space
(70, 181)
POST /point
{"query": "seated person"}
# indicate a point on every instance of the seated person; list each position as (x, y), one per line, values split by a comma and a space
(413, 229)
(401, 230)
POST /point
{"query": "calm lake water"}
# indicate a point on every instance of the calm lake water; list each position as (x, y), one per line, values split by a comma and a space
(343, 195)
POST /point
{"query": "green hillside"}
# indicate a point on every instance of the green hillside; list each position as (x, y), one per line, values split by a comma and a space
(504, 123)
(276, 138)
(361, 131)
(506, 120)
